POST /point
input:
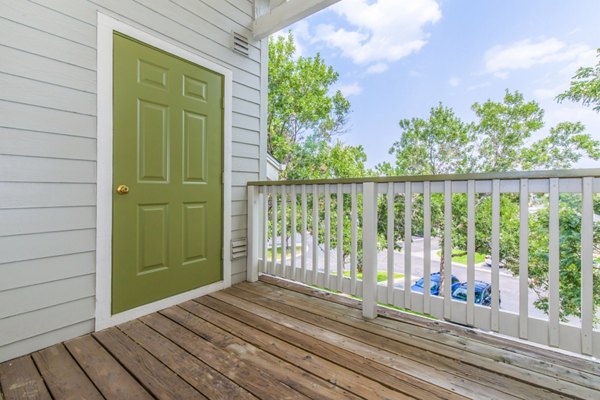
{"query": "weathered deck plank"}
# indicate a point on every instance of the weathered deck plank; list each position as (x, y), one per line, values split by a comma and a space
(508, 347)
(152, 374)
(279, 340)
(206, 380)
(403, 383)
(475, 368)
(344, 378)
(62, 375)
(19, 379)
(113, 381)
(308, 384)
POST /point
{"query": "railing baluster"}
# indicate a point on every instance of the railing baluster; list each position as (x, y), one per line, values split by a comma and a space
(327, 234)
(304, 244)
(369, 250)
(427, 247)
(340, 237)
(390, 242)
(587, 277)
(554, 266)
(524, 259)
(293, 200)
(283, 272)
(471, 252)
(354, 241)
(315, 238)
(495, 314)
(265, 228)
(407, 243)
(447, 249)
(274, 217)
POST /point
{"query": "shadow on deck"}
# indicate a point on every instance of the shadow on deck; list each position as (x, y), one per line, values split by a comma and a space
(278, 340)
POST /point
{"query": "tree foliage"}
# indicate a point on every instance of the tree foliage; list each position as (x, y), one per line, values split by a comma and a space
(585, 87)
(498, 140)
(305, 121)
(302, 113)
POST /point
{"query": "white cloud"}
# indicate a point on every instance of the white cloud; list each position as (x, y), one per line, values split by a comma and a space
(479, 86)
(379, 32)
(454, 81)
(350, 89)
(524, 54)
(377, 68)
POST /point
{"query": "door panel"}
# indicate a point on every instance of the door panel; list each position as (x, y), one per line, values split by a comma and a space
(167, 143)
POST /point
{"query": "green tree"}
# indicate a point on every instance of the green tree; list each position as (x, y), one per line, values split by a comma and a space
(440, 144)
(585, 87)
(570, 256)
(302, 113)
(305, 120)
(502, 130)
(501, 133)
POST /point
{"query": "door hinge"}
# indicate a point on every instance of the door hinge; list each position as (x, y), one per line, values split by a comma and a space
(223, 103)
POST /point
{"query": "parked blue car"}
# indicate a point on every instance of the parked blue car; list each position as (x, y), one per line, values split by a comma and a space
(434, 288)
(483, 293)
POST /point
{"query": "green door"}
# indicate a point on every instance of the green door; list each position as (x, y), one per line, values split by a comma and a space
(167, 175)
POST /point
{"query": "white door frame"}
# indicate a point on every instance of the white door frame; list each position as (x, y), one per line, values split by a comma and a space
(104, 318)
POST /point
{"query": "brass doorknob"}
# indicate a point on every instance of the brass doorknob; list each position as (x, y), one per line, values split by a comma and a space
(122, 189)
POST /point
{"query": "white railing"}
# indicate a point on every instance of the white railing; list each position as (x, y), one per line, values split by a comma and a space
(303, 211)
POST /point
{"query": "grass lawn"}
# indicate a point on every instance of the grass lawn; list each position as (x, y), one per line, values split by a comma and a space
(381, 275)
(288, 252)
(479, 258)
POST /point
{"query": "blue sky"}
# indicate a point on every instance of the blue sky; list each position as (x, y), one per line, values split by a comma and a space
(398, 58)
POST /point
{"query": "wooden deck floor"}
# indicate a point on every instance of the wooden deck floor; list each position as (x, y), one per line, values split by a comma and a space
(276, 340)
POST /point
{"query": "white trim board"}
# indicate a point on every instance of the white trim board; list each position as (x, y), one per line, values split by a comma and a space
(106, 26)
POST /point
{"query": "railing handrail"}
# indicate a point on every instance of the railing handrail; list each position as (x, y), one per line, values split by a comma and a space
(544, 174)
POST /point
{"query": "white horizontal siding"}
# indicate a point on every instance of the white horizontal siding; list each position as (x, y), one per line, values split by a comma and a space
(44, 320)
(21, 116)
(32, 195)
(242, 164)
(241, 135)
(40, 245)
(27, 221)
(19, 36)
(33, 272)
(35, 297)
(45, 339)
(245, 150)
(36, 169)
(44, 19)
(42, 144)
(44, 69)
(48, 152)
(28, 91)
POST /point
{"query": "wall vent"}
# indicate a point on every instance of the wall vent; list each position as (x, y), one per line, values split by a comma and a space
(239, 248)
(240, 44)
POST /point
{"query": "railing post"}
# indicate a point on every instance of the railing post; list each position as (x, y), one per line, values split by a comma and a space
(369, 250)
(253, 234)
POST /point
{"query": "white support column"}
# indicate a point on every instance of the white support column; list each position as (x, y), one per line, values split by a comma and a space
(369, 250)
(253, 235)
(471, 252)
(587, 259)
(524, 259)
(554, 265)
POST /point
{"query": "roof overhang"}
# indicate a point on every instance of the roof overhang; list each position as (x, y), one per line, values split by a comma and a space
(273, 15)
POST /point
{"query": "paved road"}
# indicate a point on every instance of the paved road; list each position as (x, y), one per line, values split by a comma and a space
(509, 284)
